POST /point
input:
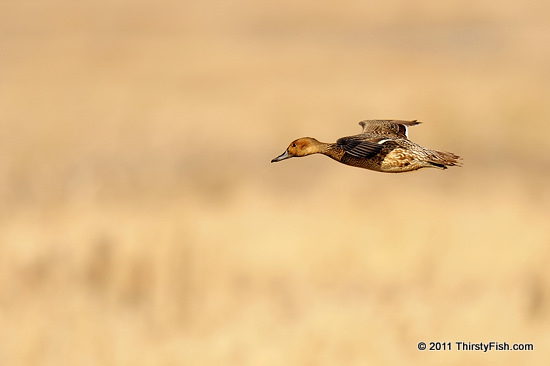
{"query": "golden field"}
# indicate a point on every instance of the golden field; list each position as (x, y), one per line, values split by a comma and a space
(141, 222)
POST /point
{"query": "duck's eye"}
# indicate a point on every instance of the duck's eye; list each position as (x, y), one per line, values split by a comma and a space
(293, 145)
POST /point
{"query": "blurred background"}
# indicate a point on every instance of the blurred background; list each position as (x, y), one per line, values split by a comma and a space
(141, 222)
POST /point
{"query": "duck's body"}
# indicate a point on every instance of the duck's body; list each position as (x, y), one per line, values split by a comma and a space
(382, 146)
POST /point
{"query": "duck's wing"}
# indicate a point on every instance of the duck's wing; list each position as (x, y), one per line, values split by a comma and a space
(361, 147)
(387, 127)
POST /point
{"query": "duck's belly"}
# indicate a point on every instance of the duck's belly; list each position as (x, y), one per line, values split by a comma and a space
(373, 163)
(400, 160)
(397, 160)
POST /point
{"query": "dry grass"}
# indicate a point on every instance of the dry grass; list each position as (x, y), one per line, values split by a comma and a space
(142, 224)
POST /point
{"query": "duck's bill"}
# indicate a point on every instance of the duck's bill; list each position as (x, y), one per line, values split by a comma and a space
(283, 156)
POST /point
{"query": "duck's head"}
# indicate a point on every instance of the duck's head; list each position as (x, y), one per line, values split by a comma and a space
(301, 147)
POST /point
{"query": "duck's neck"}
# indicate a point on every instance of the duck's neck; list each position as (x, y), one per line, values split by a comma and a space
(329, 150)
(321, 147)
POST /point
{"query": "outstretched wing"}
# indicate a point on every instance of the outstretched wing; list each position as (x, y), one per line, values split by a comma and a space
(359, 147)
(387, 127)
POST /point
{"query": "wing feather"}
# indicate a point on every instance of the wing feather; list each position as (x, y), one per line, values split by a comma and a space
(359, 147)
(387, 127)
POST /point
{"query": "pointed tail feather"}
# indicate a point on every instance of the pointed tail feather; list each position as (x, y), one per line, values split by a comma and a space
(444, 159)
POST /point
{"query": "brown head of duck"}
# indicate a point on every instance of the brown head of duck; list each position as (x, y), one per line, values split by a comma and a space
(302, 147)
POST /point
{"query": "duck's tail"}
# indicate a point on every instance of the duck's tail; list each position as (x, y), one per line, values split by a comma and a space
(443, 159)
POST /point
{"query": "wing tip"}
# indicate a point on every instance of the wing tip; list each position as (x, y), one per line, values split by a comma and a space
(398, 121)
